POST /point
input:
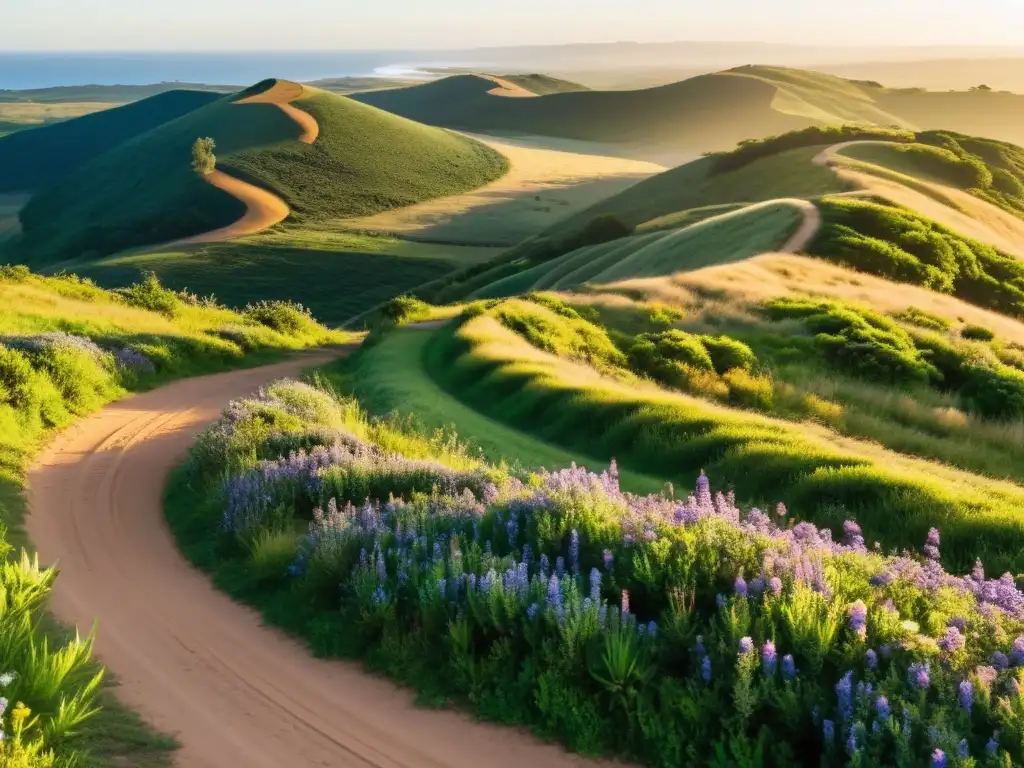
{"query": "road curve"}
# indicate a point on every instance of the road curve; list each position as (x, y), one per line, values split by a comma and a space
(190, 660)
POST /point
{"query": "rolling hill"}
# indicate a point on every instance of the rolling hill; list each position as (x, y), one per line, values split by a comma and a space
(707, 112)
(144, 191)
(34, 158)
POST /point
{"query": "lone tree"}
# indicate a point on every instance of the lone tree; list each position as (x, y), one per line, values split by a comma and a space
(203, 159)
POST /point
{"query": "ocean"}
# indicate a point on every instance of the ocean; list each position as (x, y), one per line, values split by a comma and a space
(45, 70)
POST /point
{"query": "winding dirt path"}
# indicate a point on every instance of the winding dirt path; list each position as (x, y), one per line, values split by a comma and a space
(263, 209)
(194, 663)
(808, 229)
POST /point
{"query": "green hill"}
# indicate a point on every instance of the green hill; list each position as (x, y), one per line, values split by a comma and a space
(34, 158)
(144, 191)
(708, 112)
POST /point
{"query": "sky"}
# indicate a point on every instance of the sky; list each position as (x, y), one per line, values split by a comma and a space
(165, 25)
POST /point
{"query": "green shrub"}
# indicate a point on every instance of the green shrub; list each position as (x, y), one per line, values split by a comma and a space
(900, 245)
(287, 317)
(923, 319)
(858, 341)
(563, 332)
(17, 379)
(270, 554)
(602, 229)
(14, 273)
(402, 308)
(149, 294)
(977, 333)
(203, 159)
(727, 354)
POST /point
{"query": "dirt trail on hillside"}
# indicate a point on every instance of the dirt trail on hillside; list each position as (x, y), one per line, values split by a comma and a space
(282, 94)
(193, 662)
(263, 209)
(808, 229)
(976, 218)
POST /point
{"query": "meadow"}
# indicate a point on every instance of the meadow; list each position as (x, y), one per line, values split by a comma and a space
(665, 629)
(67, 348)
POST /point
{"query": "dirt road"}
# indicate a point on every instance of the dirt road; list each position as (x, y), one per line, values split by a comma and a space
(194, 663)
(263, 209)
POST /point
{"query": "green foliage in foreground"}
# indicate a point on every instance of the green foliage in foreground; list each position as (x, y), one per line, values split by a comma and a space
(895, 498)
(900, 245)
(67, 348)
(669, 631)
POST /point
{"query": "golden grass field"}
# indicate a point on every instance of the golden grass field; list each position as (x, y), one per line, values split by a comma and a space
(542, 186)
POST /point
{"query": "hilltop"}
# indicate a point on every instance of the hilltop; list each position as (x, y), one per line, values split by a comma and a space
(363, 160)
(34, 158)
(705, 113)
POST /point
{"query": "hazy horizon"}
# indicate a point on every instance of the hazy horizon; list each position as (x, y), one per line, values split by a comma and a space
(406, 25)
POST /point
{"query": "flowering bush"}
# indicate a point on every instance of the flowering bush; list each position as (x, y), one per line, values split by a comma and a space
(674, 631)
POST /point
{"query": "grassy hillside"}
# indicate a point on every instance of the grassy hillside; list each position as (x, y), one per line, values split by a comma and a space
(721, 239)
(34, 159)
(708, 112)
(677, 197)
(111, 94)
(144, 191)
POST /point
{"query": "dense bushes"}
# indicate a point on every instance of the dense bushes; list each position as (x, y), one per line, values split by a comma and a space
(900, 245)
(754, 149)
(672, 631)
(858, 341)
(287, 317)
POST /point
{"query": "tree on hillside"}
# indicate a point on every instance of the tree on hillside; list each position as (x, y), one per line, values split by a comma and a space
(203, 159)
(981, 87)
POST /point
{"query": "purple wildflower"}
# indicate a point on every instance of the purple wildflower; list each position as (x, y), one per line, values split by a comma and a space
(1000, 660)
(740, 586)
(574, 550)
(1018, 650)
(828, 730)
(938, 756)
(554, 598)
(595, 584)
(952, 641)
(851, 742)
(560, 566)
(608, 558)
(871, 659)
(992, 745)
(788, 666)
(705, 669)
(652, 628)
(769, 658)
(963, 749)
(919, 674)
(844, 697)
(775, 585)
(882, 708)
(931, 545)
(698, 648)
(720, 600)
(965, 695)
(625, 602)
(780, 509)
(852, 536)
(746, 645)
(859, 619)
